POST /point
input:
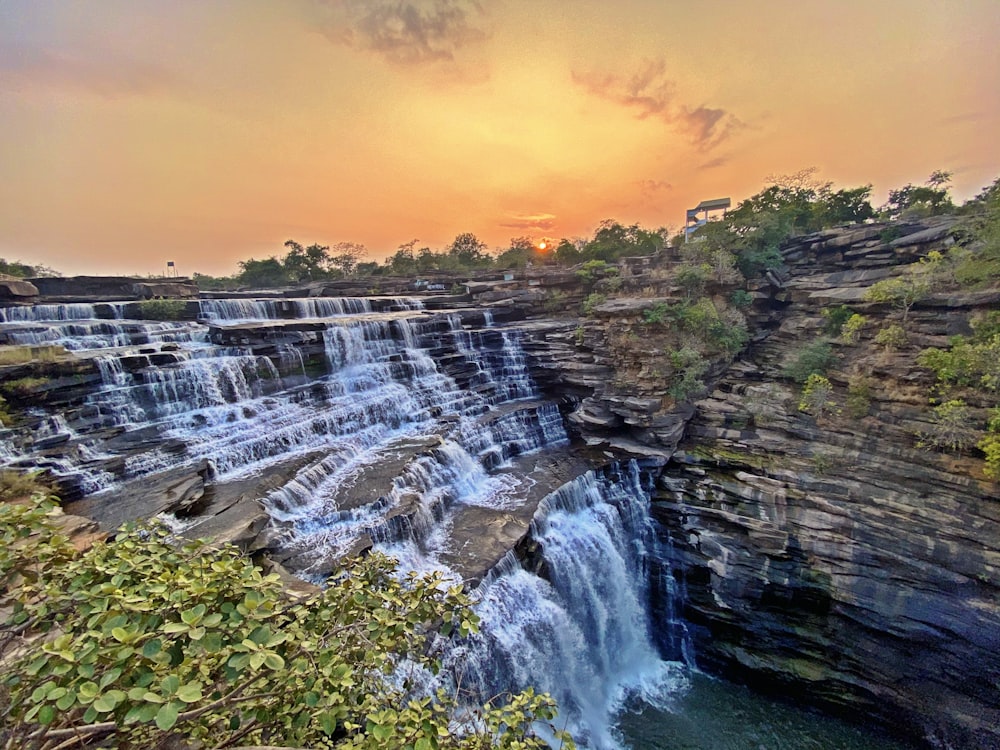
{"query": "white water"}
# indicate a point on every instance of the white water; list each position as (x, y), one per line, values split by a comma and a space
(250, 310)
(584, 634)
(442, 409)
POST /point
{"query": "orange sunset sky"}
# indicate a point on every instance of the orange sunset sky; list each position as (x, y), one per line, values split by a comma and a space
(210, 131)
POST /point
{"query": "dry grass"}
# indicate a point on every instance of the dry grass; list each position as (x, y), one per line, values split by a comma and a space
(22, 355)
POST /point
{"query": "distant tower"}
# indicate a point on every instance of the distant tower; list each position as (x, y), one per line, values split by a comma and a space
(691, 219)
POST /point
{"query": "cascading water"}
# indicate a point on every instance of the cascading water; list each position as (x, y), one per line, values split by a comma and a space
(419, 434)
(582, 632)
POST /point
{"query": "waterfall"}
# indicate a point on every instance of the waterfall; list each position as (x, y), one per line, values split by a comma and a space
(36, 313)
(302, 308)
(582, 633)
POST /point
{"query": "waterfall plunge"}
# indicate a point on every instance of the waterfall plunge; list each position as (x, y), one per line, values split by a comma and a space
(583, 633)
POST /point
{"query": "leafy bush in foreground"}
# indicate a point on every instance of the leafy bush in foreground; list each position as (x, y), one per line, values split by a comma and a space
(137, 639)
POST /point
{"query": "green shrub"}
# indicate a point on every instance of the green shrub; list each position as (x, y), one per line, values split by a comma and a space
(18, 485)
(892, 337)
(692, 278)
(741, 298)
(990, 445)
(966, 364)
(814, 359)
(657, 314)
(593, 270)
(162, 309)
(815, 399)
(850, 332)
(20, 355)
(836, 317)
(22, 387)
(138, 638)
(859, 395)
(593, 300)
(690, 366)
(951, 428)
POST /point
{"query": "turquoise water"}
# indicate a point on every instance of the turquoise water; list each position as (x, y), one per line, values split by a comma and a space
(716, 715)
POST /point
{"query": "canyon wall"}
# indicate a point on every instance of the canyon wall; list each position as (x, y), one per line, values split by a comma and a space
(829, 556)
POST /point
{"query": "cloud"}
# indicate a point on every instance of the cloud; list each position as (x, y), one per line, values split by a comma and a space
(649, 92)
(403, 32)
(543, 222)
(653, 187)
(719, 161)
(102, 75)
(964, 117)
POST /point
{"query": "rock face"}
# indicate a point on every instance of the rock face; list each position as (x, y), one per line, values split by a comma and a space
(112, 288)
(831, 558)
(17, 292)
(833, 555)
(828, 556)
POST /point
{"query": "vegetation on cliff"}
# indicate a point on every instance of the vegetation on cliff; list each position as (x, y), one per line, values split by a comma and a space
(140, 638)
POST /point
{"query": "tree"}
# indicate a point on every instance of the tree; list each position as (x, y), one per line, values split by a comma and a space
(613, 241)
(567, 253)
(141, 637)
(16, 268)
(468, 251)
(519, 254)
(902, 292)
(262, 273)
(305, 264)
(815, 399)
(402, 262)
(951, 428)
(347, 256)
(929, 199)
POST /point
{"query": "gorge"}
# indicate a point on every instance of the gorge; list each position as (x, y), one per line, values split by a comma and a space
(611, 528)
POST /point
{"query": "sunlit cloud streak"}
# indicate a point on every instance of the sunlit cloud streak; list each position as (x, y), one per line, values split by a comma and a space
(403, 32)
(650, 92)
(543, 222)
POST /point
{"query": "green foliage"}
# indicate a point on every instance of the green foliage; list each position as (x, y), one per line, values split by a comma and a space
(741, 298)
(20, 355)
(138, 638)
(16, 268)
(892, 337)
(262, 274)
(966, 364)
(836, 317)
(162, 309)
(468, 251)
(990, 445)
(815, 399)
(951, 428)
(850, 332)
(20, 388)
(929, 199)
(592, 270)
(790, 205)
(813, 359)
(209, 283)
(859, 395)
(692, 277)
(690, 366)
(902, 292)
(567, 254)
(657, 314)
(16, 485)
(593, 300)
(978, 263)
(521, 253)
(612, 241)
